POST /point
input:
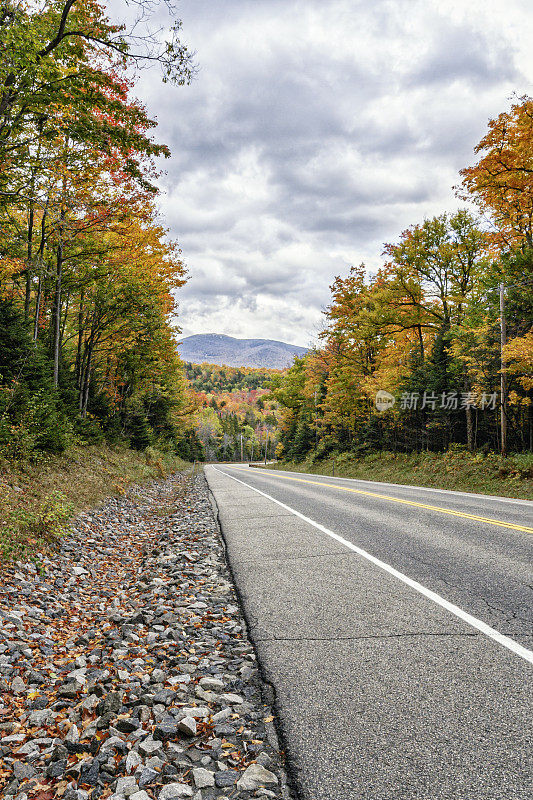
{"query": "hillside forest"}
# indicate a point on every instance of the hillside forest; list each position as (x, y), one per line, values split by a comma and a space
(237, 417)
(444, 327)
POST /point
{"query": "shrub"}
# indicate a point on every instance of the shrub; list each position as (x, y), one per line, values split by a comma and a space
(31, 412)
(23, 530)
(89, 431)
(139, 431)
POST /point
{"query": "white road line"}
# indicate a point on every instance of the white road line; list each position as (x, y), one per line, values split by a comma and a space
(505, 641)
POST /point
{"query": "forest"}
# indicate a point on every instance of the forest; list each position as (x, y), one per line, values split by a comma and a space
(434, 350)
(237, 417)
(212, 377)
(88, 275)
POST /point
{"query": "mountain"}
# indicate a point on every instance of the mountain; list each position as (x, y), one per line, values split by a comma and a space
(215, 348)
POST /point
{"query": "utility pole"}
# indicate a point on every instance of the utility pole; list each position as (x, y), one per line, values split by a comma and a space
(266, 447)
(316, 424)
(242, 457)
(503, 377)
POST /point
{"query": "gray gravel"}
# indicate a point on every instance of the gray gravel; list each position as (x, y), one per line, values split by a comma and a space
(125, 667)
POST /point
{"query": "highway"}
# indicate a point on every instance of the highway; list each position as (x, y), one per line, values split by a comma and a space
(394, 625)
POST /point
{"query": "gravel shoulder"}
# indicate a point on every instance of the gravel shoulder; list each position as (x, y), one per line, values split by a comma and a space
(125, 666)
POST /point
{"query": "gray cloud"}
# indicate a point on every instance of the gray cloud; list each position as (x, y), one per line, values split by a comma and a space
(456, 52)
(314, 132)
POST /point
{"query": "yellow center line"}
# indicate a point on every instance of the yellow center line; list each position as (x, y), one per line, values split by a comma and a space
(449, 511)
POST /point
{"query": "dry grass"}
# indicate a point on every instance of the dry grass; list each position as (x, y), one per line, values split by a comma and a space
(456, 469)
(37, 499)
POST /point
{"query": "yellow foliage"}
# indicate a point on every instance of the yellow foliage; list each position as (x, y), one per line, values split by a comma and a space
(518, 354)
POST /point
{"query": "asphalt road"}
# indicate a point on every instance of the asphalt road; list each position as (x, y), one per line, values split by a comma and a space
(384, 691)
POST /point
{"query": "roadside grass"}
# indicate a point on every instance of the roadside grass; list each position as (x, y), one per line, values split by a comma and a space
(38, 499)
(455, 469)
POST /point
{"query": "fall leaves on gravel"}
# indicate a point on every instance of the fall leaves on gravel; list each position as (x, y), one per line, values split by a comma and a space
(125, 669)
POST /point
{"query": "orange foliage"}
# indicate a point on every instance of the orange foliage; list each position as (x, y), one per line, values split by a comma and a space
(502, 179)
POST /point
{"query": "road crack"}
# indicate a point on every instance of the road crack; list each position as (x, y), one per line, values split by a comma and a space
(361, 638)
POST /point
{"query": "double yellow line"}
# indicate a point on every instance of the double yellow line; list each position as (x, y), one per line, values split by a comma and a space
(448, 511)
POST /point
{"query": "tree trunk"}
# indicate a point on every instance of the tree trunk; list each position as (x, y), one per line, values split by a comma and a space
(421, 341)
(530, 418)
(29, 257)
(41, 263)
(86, 381)
(37, 309)
(31, 219)
(65, 317)
(59, 279)
(503, 376)
(469, 419)
(83, 363)
(80, 341)
(56, 317)
(469, 429)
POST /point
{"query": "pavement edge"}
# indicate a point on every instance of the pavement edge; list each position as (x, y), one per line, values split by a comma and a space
(275, 732)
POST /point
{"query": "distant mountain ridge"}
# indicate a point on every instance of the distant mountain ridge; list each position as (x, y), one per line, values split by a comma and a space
(217, 348)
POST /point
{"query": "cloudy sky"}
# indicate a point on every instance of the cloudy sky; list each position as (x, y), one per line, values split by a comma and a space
(315, 131)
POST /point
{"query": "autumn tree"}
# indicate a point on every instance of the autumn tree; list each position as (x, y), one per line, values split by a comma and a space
(83, 256)
(51, 58)
(501, 182)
